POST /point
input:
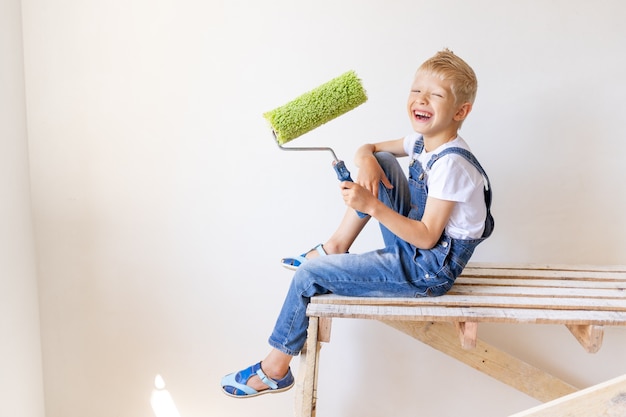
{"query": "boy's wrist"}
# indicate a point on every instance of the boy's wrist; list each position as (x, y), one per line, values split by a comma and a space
(364, 152)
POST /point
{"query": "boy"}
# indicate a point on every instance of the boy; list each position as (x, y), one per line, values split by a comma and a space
(430, 222)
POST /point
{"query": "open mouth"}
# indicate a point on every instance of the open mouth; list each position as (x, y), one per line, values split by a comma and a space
(422, 116)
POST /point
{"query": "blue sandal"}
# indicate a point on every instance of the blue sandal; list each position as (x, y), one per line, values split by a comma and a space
(294, 263)
(234, 385)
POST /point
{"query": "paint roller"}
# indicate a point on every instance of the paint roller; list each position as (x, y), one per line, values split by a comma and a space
(315, 108)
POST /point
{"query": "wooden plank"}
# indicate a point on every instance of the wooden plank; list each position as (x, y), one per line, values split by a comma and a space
(590, 337)
(487, 359)
(468, 300)
(541, 292)
(543, 274)
(534, 275)
(552, 283)
(595, 269)
(465, 314)
(607, 399)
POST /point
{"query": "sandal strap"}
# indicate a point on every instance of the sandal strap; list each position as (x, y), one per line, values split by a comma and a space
(230, 380)
(300, 258)
(295, 262)
(235, 384)
(266, 379)
(320, 249)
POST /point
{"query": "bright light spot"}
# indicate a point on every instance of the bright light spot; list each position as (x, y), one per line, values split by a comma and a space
(161, 400)
(159, 382)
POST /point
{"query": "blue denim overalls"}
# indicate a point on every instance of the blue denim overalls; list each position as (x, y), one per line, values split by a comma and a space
(397, 270)
(449, 256)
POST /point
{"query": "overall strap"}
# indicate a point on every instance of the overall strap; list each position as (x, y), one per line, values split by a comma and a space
(464, 153)
(489, 222)
(419, 146)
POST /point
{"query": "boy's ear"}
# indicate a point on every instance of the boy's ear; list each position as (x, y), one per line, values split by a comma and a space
(463, 111)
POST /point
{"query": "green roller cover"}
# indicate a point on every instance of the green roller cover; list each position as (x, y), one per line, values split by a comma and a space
(316, 107)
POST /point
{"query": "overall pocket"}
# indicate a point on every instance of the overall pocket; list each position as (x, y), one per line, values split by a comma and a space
(436, 276)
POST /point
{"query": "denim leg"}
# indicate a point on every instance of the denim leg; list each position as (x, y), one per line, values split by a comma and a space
(373, 274)
(397, 198)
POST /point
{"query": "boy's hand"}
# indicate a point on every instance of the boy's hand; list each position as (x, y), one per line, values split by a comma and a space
(358, 197)
(371, 175)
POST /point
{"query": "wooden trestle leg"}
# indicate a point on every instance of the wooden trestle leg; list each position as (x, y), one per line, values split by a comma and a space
(306, 380)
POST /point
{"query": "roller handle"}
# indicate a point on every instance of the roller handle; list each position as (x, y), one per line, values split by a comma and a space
(344, 175)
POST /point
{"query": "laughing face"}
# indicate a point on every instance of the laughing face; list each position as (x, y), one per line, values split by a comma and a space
(433, 108)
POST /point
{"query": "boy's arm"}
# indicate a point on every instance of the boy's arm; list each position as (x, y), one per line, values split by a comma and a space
(370, 173)
(423, 234)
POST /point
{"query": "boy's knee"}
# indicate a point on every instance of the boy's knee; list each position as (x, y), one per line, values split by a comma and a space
(385, 158)
(311, 272)
(302, 276)
(389, 163)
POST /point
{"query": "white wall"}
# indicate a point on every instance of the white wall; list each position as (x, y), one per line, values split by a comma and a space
(162, 204)
(21, 381)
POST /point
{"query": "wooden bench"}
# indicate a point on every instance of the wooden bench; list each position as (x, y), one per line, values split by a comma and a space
(583, 298)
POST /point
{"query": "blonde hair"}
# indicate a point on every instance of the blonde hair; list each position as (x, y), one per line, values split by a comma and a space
(446, 65)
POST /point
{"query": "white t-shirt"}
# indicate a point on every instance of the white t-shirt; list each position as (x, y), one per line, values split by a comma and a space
(454, 178)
